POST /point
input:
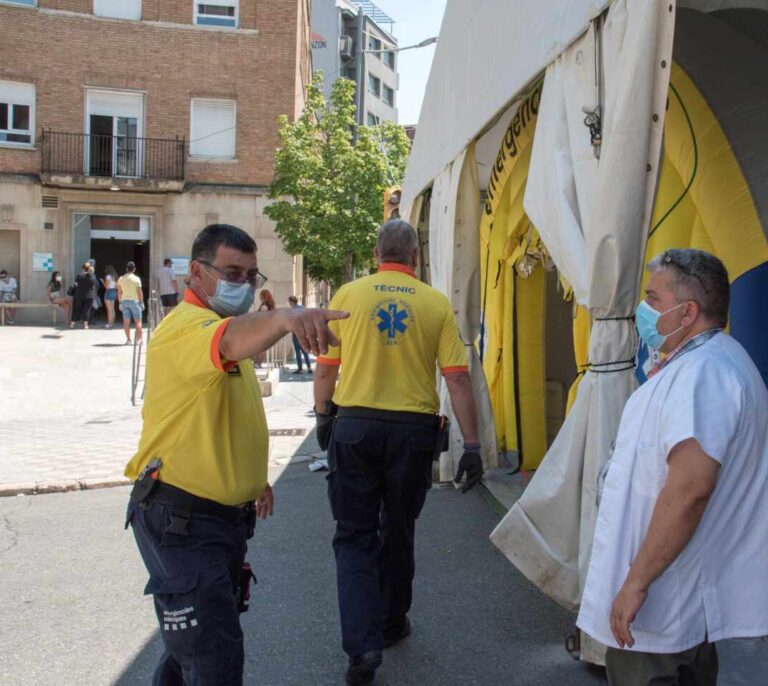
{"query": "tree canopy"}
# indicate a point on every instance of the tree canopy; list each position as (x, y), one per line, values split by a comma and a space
(329, 182)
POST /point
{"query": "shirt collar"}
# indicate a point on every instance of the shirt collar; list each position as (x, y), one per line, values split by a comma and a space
(191, 297)
(396, 267)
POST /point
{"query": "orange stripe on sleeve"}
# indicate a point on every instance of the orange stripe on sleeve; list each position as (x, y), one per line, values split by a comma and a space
(218, 362)
(331, 362)
(454, 370)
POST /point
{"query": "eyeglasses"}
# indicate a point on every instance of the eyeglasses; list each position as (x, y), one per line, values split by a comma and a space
(255, 277)
(669, 259)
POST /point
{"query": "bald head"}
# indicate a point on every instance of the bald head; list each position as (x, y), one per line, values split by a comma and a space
(397, 242)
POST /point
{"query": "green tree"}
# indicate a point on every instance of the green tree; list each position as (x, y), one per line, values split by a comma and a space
(329, 181)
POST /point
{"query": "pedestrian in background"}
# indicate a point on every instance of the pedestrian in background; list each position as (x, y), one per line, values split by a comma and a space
(110, 293)
(85, 288)
(57, 293)
(201, 464)
(680, 551)
(293, 302)
(167, 286)
(131, 299)
(266, 301)
(9, 294)
(266, 304)
(383, 440)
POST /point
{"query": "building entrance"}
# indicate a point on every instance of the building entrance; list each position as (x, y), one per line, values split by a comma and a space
(113, 240)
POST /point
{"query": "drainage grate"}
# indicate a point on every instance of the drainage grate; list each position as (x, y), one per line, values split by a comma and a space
(51, 202)
(287, 432)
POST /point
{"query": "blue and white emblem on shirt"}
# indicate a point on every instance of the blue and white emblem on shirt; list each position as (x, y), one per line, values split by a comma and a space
(392, 318)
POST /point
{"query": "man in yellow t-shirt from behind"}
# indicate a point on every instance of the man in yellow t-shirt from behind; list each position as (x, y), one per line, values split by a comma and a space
(200, 470)
(383, 439)
(131, 299)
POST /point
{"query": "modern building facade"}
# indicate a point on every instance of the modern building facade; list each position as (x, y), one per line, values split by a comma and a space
(356, 40)
(127, 126)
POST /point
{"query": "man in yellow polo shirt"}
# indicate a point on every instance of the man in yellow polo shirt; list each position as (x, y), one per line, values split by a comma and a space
(382, 441)
(201, 467)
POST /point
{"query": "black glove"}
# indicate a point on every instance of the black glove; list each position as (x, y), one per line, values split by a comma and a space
(324, 422)
(472, 464)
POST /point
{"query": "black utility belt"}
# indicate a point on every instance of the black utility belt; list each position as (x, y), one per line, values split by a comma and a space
(398, 417)
(176, 498)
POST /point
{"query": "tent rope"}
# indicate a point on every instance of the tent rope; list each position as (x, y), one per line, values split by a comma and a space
(695, 162)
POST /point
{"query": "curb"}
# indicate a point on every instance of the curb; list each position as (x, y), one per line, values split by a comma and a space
(42, 487)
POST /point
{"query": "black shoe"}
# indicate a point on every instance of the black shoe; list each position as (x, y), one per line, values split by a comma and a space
(404, 633)
(362, 668)
(298, 371)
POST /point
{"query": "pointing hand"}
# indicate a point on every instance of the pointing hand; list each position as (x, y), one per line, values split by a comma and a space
(311, 328)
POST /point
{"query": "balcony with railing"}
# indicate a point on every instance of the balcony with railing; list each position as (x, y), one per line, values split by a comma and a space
(94, 160)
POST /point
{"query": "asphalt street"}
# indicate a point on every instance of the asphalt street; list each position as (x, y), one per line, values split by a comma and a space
(73, 611)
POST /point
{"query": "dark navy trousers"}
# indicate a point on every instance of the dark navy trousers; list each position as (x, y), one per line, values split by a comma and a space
(379, 475)
(194, 580)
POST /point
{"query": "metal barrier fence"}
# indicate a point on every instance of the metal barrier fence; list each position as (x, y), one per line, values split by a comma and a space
(155, 315)
(279, 354)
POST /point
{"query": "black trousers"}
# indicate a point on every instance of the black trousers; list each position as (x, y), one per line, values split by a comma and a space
(82, 308)
(379, 475)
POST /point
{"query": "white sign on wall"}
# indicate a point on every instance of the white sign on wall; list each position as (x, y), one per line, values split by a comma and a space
(180, 265)
(42, 262)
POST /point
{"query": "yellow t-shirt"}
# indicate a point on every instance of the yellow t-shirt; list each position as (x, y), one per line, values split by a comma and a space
(203, 416)
(130, 284)
(398, 329)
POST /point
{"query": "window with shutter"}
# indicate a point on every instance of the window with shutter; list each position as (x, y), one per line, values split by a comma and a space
(216, 12)
(17, 114)
(119, 9)
(213, 124)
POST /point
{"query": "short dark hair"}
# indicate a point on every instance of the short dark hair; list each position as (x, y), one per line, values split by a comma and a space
(130, 267)
(207, 242)
(697, 276)
(293, 299)
(167, 262)
(396, 241)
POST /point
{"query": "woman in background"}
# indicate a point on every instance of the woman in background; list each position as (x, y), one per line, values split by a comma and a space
(267, 304)
(110, 293)
(57, 293)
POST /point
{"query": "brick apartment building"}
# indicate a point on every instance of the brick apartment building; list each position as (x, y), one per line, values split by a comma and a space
(127, 125)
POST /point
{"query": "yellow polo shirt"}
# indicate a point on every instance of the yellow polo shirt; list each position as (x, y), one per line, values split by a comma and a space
(203, 416)
(129, 284)
(399, 331)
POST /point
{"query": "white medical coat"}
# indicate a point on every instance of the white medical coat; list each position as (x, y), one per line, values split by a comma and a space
(717, 588)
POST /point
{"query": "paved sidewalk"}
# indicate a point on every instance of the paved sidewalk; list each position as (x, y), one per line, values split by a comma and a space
(68, 422)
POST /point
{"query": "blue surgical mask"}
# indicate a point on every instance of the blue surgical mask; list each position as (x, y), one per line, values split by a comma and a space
(232, 299)
(647, 319)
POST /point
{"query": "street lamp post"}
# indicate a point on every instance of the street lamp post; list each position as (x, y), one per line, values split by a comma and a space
(423, 44)
(361, 64)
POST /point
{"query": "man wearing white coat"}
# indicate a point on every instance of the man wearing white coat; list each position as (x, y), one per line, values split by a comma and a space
(680, 551)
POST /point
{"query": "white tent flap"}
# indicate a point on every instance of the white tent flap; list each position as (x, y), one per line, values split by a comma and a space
(548, 533)
(454, 217)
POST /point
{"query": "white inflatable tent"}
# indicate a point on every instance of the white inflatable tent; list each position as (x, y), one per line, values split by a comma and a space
(592, 214)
